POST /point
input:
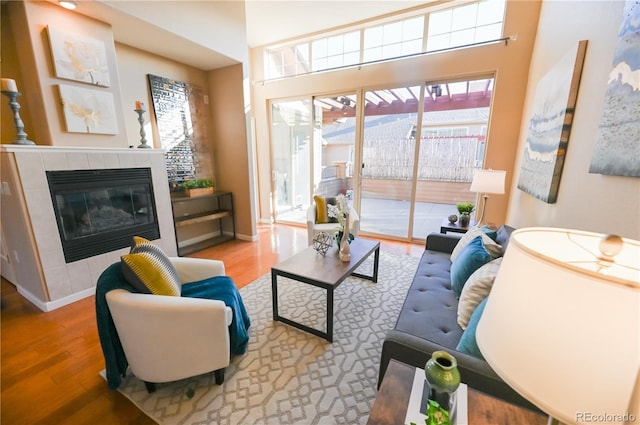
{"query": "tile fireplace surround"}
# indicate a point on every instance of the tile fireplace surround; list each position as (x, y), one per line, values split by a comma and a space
(32, 249)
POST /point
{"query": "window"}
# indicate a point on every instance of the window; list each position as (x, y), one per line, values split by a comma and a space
(287, 61)
(471, 23)
(338, 50)
(393, 39)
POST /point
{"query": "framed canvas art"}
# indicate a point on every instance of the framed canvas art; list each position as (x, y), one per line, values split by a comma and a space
(88, 110)
(79, 58)
(617, 149)
(550, 126)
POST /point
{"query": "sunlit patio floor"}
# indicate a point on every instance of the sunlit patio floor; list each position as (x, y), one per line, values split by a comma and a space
(391, 218)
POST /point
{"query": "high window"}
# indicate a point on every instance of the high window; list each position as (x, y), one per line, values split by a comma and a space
(335, 51)
(473, 22)
(394, 39)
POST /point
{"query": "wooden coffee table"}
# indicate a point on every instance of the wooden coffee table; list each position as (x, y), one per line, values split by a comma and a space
(328, 272)
(390, 406)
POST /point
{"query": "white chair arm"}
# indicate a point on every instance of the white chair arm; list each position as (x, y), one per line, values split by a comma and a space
(311, 222)
(354, 222)
(167, 338)
(194, 269)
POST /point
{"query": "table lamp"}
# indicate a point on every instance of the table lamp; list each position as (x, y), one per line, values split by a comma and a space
(487, 181)
(562, 324)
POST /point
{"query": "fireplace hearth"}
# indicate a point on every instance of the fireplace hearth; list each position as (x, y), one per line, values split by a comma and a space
(99, 211)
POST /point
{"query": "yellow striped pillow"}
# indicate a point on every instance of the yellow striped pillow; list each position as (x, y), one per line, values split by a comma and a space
(149, 270)
(321, 209)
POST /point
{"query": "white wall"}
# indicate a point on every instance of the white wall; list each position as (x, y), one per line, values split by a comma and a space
(593, 202)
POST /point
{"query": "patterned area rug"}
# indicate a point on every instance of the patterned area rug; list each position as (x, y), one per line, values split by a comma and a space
(289, 376)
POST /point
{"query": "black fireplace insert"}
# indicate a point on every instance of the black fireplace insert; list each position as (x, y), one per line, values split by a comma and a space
(99, 211)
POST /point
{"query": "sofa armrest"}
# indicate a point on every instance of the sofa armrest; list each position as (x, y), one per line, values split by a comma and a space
(441, 242)
(194, 269)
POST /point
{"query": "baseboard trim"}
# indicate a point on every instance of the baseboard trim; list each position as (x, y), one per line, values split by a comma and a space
(47, 306)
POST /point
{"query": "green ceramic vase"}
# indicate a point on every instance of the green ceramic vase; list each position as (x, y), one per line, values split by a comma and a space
(441, 372)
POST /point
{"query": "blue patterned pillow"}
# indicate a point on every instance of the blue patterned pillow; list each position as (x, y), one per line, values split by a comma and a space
(471, 258)
(468, 343)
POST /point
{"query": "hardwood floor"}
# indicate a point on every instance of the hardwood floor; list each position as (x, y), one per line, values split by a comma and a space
(50, 361)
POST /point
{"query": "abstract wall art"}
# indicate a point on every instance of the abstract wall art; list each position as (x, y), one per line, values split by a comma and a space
(79, 58)
(550, 126)
(88, 110)
(617, 149)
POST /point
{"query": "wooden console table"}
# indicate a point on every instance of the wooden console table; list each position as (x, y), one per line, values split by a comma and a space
(390, 406)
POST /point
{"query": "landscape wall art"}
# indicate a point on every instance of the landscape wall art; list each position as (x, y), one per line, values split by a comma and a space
(550, 126)
(617, 149)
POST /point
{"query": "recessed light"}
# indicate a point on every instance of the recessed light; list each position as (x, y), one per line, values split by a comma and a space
(68, 4)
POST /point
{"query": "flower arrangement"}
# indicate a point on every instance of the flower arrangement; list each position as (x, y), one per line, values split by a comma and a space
(340, 212)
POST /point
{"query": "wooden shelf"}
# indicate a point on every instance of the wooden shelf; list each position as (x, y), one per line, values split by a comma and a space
(188, 211)
(188, 249)
(186, 220)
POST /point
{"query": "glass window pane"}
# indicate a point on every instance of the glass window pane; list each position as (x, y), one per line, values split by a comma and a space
(413, 28)
(392, 33)
(438, 42)
(464, 17)
(410, 47)
(319, 64)
(372, 37)
(372, 54)
(302, 51)
(352, 42)
(334, 45)
(440, 22)
(490, 12)
(391, 50)
(489, 32)
(460, 38)
(319, 48)
(351, 58)
(333, 61)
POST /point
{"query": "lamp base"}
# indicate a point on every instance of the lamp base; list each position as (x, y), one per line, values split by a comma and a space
(24, 142)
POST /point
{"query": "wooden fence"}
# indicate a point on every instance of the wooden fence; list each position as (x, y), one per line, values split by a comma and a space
(447, 159)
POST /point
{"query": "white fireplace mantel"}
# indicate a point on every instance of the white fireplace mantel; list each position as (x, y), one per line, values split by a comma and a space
(30, 233)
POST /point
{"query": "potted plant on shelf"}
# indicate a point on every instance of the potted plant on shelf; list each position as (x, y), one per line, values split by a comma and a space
(198, 187)
(465, 209)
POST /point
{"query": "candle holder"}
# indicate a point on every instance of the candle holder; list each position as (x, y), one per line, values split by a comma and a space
(143, 140)
(15, 106)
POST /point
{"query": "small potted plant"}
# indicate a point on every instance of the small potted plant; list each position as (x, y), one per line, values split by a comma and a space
(465, 209)
(198, 187)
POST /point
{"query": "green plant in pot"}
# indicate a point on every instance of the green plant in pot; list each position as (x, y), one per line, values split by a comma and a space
(465, 209)
(198, 187)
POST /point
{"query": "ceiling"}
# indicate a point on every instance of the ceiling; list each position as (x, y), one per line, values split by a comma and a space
(267, 21)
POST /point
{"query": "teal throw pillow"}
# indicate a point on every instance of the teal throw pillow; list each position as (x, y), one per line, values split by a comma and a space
(468, 343)
(471, 258)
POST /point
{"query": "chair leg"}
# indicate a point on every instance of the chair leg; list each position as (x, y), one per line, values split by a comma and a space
(219, 376)
(151, 387)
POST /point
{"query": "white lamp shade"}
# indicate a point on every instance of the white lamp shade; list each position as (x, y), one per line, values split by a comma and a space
(488, 181)
(562, 327)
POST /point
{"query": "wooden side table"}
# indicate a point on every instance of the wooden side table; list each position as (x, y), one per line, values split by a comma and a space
(446, 226)
(392, 400)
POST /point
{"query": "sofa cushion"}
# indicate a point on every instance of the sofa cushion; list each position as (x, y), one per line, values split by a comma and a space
(149, 270)
(476, 288)
(429, 309)
(488, 237)
(471, 258)
(468, 343)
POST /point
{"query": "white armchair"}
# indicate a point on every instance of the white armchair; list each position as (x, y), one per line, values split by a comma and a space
(168, 338)
(314, 228)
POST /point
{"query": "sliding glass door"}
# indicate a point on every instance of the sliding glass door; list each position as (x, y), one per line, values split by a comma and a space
(291, 154)
(405, 164)
(388, 150)
(312, 144)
